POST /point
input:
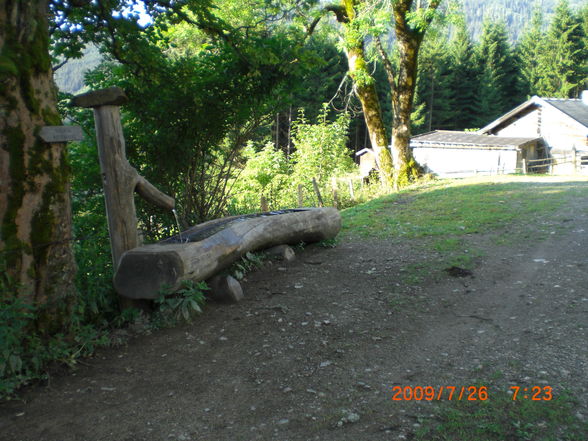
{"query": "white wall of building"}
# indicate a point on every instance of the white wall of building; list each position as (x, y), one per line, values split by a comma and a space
(448, 162)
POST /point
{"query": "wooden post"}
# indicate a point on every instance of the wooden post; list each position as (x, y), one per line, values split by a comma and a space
(263, 204)
(351, 192)
(318, 193)
(575, 160)
(524, 166)
(335, 194)
(119, 179)
(300, 196)
(280, 252)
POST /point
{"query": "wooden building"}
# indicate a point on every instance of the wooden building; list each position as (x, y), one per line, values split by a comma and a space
(367, 162)
(561, 123)
(459, 154)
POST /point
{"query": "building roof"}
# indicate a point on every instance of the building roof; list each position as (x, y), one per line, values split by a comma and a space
(363, 152)
(451, 139)
(575, 109)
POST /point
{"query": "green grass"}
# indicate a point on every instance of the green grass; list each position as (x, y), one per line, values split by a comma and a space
(449, 221)
(501, 419)
(454, 208)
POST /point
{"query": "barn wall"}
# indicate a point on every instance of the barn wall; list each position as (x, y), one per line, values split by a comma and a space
(525, 127)
(560, 132)
(447, 162)
(367, 163)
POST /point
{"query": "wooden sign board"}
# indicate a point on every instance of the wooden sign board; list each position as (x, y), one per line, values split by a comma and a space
(61, 133)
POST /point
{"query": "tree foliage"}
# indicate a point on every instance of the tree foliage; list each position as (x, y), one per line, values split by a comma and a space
(321, 153)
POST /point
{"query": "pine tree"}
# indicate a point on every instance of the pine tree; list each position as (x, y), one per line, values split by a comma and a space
(564, 58)
(433, 92)
(584, 23)
(464, 79)
(530, 54)
(498, 88)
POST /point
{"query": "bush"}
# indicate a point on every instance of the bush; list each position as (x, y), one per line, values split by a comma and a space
(321, 153)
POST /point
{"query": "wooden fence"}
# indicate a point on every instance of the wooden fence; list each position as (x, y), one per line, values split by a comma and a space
(338, 192)
(576, 160)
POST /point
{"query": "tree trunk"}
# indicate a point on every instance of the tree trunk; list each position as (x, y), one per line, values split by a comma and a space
(35, 208)
(365, 89)
(408, 42)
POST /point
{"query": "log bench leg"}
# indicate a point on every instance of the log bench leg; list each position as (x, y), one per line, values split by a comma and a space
(281, 252)
(225, 288)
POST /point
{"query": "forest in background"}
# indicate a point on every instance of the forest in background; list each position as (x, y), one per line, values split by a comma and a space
(516, 15)
(229, 104)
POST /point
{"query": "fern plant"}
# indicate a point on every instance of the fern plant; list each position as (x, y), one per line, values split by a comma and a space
(184, 304)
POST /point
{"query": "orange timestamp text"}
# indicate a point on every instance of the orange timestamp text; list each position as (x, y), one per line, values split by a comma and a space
(534, 393)
(430, 393)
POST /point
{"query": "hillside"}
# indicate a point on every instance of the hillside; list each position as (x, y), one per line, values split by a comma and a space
(515, 13)
(70, 77)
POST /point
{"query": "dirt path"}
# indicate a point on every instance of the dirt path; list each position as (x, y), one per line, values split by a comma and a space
(318, 344)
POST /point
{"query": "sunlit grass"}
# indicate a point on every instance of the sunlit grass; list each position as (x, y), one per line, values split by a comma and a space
(461, 207)
(449, 222)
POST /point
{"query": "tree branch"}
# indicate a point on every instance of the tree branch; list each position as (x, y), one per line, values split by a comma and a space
(339, 12)
(54, 68)
(388, 66)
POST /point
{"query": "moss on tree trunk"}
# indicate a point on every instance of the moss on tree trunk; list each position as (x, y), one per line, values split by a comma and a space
(408, 42)
(365, 89)
(35, 213)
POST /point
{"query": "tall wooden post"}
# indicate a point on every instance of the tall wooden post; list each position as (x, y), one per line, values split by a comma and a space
(263, 204)
(119, 179)
(318, 193)
(300, 196)
(335, 193)
(351, 193)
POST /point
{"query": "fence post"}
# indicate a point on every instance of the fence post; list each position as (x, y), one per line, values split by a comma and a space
(335, 193)
(263, 204)
(524, 166)
(575, 160)
(351, 193)
(318, 193)
(300, 196)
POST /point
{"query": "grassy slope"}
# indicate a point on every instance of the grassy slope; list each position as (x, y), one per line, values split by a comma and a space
(461, 207)
(454, 219)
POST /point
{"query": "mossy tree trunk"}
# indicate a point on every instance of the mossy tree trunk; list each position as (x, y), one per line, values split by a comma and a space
(408, 43)
(35, 213)
(365, 86)
(403, 78)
